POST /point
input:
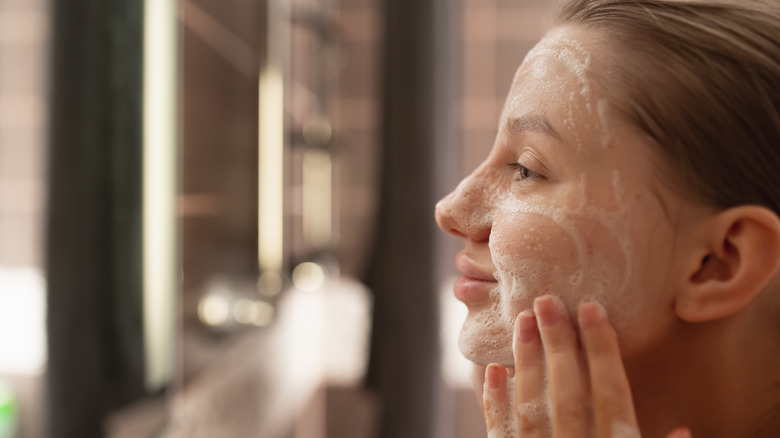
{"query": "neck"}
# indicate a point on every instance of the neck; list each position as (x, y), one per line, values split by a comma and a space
(717, 378)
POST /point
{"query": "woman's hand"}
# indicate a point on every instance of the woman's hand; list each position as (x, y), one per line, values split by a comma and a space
(556, 392)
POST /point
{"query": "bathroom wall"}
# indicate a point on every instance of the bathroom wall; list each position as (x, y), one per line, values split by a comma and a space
(24, 34)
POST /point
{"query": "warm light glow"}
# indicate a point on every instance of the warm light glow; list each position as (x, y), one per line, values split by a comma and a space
(317, 203)
(270, 284)
(271, 174)
(250, 312)
(214, 310)
(309, 276)
(22, 322)
(159, 190)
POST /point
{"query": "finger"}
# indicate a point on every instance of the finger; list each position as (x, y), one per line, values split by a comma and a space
(680, 432)
(568, 405)
(611, 394)
(530, 400)
(499, 418)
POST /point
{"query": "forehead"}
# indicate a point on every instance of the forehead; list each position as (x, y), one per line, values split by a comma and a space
(561, 50)
(557, 82)
(563, 82)
(557, 70)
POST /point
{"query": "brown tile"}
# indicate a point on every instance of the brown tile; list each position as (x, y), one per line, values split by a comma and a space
(479, 62)
(21, 154)
(357, 113)
(21, 197)
(356, 236)
(22, 112)
(22, 69)
(351, 4)
(20, 240)
(359, 70)
(479, 3)
(357, 201)
(521, 24)
(24, 26)
(481, 112)
(479, 24)
(476, 146)
(357, 157)
(508, 4)
(359, 24)
(24, 5)
(510, 55)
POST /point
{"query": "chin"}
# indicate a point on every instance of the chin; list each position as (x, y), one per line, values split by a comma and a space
(486, 342)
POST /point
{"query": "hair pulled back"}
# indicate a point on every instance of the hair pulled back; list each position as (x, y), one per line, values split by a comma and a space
(702, 79)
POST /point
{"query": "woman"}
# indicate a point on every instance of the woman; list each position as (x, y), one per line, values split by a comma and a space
(635, 174)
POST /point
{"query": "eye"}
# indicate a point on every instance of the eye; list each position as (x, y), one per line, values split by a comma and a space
(523, 173)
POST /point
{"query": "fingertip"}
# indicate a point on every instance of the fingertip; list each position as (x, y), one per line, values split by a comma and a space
(548, 310)
(591, 315)
(495, 376)
(525, 329)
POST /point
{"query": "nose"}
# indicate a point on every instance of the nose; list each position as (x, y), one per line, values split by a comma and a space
(465, 212)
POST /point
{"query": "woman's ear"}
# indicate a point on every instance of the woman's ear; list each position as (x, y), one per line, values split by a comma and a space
(739, 254)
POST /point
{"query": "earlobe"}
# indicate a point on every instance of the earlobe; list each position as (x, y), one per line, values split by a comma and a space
(738, 256)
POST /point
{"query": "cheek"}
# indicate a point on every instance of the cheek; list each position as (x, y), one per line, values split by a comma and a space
(574, 257)
(533, 255)
(530, 246)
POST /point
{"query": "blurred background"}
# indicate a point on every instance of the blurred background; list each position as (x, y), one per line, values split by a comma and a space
(216, 216)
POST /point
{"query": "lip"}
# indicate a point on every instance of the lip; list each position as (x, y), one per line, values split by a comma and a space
(475, 283)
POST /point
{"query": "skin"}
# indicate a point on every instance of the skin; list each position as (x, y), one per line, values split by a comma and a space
(588, 220)
(570, 219)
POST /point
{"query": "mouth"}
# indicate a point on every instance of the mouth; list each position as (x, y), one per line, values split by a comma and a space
(475, 282)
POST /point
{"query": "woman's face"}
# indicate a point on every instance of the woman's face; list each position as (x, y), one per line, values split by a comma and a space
(569, 202)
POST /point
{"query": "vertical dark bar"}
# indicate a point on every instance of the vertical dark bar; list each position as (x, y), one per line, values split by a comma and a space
(404, 275)
(446, 169)
(93, 226)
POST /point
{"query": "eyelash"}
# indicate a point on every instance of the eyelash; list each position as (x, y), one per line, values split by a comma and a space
(523, 172)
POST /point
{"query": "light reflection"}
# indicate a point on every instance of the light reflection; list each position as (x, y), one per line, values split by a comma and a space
(309, 276)
(22, 322)
(214, 309)
(249, 312)
(269, 284)
(159, 190)
(270, 201)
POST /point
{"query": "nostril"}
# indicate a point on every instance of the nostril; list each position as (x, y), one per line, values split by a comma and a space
(463, 222)
(445, 218)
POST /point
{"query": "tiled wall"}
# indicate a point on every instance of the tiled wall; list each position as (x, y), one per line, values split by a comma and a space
(24, 30)
(357, 123)
(496, 36)
(24, 35)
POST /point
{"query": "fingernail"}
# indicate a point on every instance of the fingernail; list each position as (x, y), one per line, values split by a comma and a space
(548, 310)
(525, 329)
(591, 315)
(494, 376)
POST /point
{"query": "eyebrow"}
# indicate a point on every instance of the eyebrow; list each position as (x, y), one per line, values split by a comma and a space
(532, 123)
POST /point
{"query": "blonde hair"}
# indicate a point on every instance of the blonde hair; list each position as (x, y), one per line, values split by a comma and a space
(702, 79)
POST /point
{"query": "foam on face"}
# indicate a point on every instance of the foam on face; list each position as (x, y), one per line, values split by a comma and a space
(578, 63)
(578, 251)
(554, 253)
